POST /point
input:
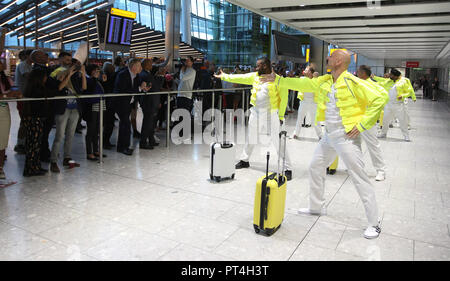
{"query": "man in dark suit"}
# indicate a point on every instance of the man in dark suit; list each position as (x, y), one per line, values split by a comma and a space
(127, 81)
(150, 105)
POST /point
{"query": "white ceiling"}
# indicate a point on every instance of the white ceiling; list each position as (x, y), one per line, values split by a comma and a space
(402, 29)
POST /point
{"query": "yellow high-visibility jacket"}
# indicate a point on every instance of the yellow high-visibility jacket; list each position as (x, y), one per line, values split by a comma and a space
(411, 90)
(278, 97)
(402, 86)
(381, 90)
(359, 102)
(378, 86)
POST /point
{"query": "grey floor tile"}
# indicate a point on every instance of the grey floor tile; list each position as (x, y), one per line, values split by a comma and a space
(247, 245)
(134, 245)
(429, 252)
(385, 247)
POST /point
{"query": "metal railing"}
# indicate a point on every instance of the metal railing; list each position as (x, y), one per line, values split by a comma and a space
(245, 104)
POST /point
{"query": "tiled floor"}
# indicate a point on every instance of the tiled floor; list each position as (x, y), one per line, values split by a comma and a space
(160, 205)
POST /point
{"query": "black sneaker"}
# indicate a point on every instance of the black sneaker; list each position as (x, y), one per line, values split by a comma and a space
(288, 174)
(242, 164)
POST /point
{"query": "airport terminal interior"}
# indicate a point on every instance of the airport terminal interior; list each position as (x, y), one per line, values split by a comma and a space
(159, 201)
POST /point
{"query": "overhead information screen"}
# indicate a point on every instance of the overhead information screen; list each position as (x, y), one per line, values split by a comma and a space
(118, 26)
(127, 29)
(288, 45)
(115, 25)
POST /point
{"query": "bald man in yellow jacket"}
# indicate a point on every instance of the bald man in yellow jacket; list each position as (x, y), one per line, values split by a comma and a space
(349, 106)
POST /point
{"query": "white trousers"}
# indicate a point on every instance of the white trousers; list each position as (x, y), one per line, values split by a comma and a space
(374, 148)
(405, 109)
(349, 150)
(262, 122)
(391, 111)
(307, 108)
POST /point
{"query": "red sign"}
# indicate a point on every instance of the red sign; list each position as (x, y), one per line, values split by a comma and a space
(412, 64)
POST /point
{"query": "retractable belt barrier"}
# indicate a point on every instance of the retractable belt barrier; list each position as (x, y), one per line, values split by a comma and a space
(168, 93)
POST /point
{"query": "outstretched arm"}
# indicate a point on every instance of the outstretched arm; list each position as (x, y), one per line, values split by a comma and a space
(165, 62)
(302, 84)
(246, 79)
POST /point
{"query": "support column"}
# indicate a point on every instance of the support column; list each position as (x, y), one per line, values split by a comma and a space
(186, 21)
(274, 26)
(173, 11)
(87, 43)
(61, 34)
(3, 32)
(36, 26)
(114, 58)
(24, 29)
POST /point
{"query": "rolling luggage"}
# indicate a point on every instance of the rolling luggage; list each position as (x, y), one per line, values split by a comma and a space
(222, 165)
(222, 161)
(270, 197)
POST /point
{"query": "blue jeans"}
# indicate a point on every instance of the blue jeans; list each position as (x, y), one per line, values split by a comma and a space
(66, 124)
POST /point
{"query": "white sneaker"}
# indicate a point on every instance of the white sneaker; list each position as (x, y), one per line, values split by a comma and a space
(372, 232)
(381, 176)
(407, 139)
(307, 211)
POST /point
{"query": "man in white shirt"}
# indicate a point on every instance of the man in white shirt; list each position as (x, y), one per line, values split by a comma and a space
(186, 83)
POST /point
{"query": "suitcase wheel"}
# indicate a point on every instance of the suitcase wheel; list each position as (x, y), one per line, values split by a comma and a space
(232, 176)
(256, 228)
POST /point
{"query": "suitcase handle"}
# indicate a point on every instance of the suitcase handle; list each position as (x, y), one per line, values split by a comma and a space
(280, 176)
(267, 204)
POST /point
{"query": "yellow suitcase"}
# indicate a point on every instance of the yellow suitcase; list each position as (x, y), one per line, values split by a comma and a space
(270, 199)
